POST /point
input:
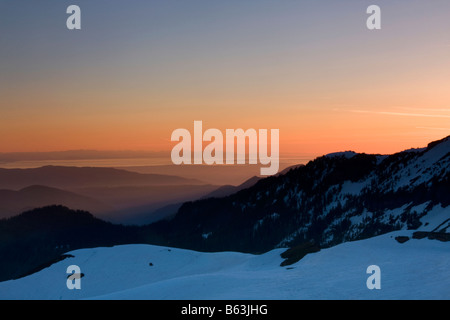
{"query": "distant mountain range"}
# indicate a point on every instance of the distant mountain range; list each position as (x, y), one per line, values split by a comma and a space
(137, 204)
(14, 202)
(113, 194)
(147, 214)
(84, 177)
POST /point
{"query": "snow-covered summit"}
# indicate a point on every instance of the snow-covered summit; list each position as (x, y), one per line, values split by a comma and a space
(344, 154)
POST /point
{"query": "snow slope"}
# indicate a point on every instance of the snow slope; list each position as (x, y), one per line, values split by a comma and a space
(430, 163)
(416, 269)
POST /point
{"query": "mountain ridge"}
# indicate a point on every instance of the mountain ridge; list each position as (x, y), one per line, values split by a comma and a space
(76, 177)
(39, 236)
(14, 202)
(330, 200)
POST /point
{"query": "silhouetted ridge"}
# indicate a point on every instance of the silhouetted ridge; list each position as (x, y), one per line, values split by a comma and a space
(54, 214)
(437, 142)
(35, 237)
(335, 198)
(80, 177)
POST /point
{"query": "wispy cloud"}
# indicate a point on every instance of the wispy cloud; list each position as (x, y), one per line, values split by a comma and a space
(426, 109)
(404, 114)
(433, 128)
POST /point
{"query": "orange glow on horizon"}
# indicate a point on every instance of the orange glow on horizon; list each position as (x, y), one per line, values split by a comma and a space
(329, 87)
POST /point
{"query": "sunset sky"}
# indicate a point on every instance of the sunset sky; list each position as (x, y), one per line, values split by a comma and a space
(137, 70)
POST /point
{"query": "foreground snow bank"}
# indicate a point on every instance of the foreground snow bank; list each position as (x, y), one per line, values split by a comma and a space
(416, 269)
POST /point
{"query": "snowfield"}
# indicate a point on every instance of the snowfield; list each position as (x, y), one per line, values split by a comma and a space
(416, 269)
